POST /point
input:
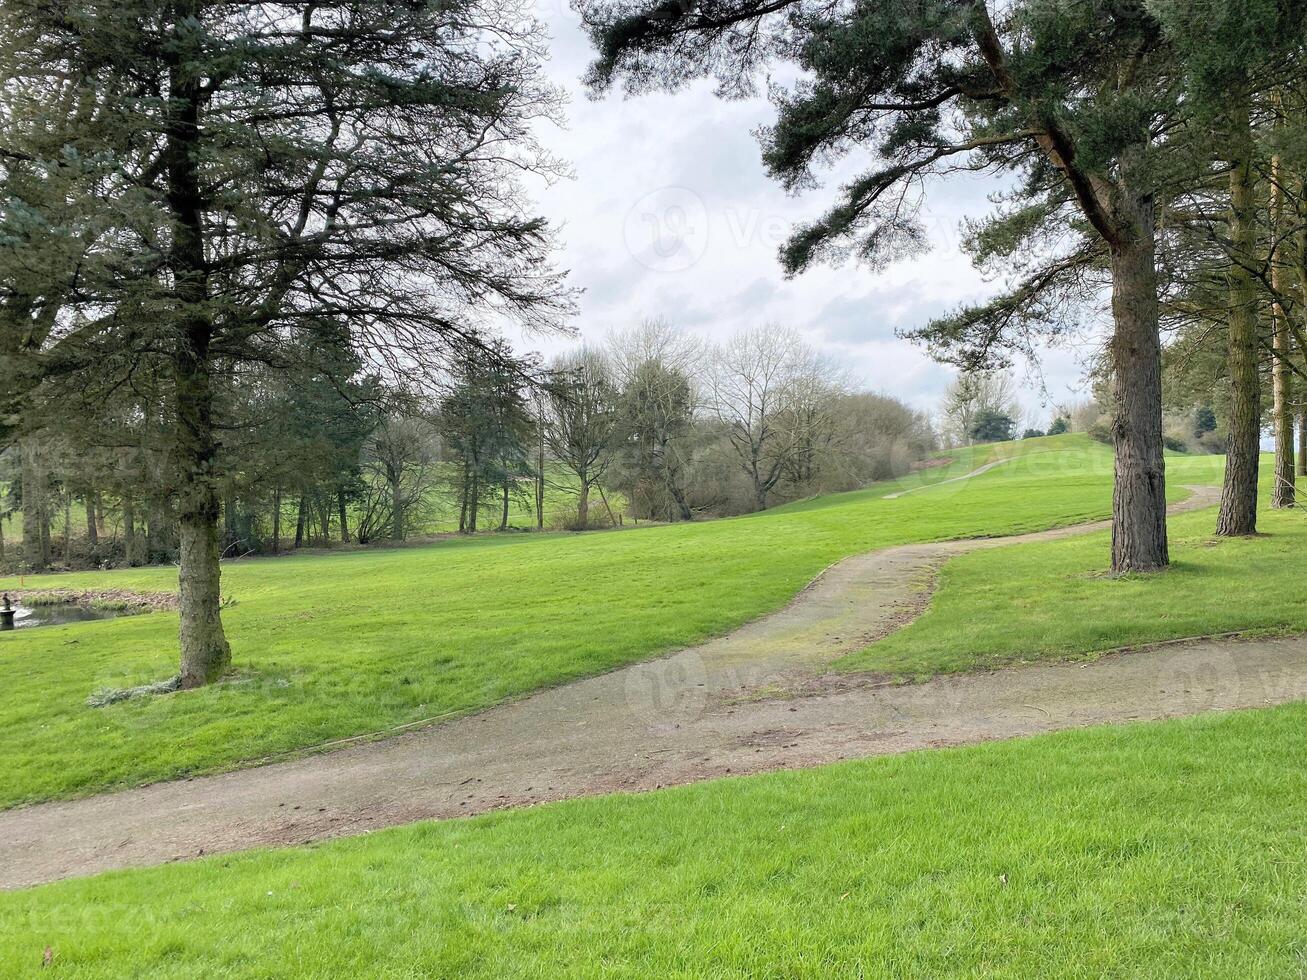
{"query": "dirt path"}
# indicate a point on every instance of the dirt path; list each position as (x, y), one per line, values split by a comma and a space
(755, 700)
(957, 479)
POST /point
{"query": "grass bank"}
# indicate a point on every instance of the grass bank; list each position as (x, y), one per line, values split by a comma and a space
(1052, 600)
(1162, 850)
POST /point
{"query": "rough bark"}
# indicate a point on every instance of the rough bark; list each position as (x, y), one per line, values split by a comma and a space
(205, 653)
(1139, 492)
(1238, 515)
(1284, 491)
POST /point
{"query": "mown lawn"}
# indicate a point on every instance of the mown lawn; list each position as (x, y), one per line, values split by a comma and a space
(1168, 849)
(337, 645)
(1052, 600)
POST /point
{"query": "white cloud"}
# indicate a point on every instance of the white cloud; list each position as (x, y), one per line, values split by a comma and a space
(671, 214)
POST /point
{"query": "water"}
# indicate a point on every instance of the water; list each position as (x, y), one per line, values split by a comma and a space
(56, 615)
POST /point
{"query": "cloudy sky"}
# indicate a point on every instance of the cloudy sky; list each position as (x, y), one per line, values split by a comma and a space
(670, 214)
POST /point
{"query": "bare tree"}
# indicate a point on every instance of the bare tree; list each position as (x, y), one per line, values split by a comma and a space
(765, 387)
(973, 392)
(400, 461)
(580, 426)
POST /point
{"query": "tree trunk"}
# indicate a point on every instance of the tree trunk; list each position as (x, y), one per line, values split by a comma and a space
(301, 516)
(474, 498)
(68, 526)
(397, 508)
(1284, 491)
(583, 504)
(503, 517)
(276, 521)
(36, 533)
(540, 483)
(132, 542)
(1139, 491)
(1238, 514)
(92, 529)
(462, 498)
(1302, 444)
(343, 514)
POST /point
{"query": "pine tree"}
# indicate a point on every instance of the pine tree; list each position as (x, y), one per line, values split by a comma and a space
(1074, 98)
(234, 175)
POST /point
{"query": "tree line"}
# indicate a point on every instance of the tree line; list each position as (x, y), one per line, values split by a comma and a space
(668, 426)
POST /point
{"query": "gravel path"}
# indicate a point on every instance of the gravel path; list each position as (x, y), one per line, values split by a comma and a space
(757, 699)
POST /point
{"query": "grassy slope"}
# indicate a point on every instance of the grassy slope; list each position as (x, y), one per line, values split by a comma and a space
(1051, 599)
(344, 644)
(1163, 850)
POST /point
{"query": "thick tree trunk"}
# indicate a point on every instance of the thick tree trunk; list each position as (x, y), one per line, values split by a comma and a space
(1139, 492)
(583, 504)
(503, 516)
(1284, 492)
(759, 492)
(205, 654)
(204, 650)
(678, 496)
(343, 514)
(1238, 514)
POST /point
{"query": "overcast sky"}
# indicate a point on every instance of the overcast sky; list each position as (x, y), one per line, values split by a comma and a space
(670, 214)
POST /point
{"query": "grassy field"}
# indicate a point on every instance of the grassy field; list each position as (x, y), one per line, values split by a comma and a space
(336, 645)
(1155, 850)
(1052, 600)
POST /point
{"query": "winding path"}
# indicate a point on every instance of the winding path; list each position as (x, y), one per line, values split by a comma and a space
(757, 699)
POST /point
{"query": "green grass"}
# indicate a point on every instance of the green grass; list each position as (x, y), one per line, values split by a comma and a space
(1168, 849)
(1052, 600)
(336, 645)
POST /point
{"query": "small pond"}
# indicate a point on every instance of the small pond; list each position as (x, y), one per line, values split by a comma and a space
(56, 615)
